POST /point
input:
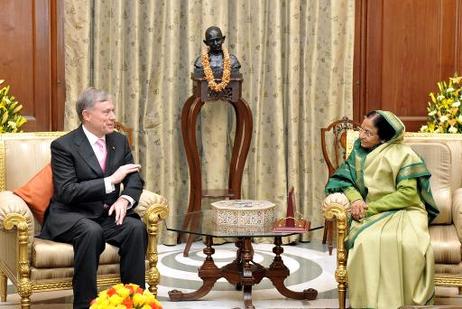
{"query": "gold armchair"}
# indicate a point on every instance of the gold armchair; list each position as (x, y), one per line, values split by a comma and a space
(443, 155)
(33, 264)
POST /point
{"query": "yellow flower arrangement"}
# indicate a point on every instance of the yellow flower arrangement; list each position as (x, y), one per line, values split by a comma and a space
(128, 296)
(444, 108)
(10, 118)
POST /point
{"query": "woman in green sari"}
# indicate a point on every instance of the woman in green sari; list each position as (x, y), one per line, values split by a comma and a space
(390, 259)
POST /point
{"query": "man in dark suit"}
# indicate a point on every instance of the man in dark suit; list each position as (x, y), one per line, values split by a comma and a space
(87, 209)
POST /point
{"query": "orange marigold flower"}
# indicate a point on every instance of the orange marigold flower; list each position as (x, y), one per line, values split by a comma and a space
(130, 289)
(156, 306)
(128, 303)
(111, 292)
(129, 296)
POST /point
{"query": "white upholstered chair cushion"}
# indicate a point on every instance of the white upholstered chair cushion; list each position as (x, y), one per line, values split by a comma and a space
(437, 157)
(51, 254)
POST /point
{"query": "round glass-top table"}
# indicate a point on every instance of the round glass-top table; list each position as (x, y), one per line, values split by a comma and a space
(243, 272)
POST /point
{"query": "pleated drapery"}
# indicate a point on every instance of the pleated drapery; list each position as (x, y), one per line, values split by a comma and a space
(297, 65)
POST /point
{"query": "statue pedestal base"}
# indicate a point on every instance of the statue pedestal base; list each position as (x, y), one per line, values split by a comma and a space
(244, 125)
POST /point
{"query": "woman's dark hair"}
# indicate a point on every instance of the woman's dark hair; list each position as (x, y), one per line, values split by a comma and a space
(384, 130)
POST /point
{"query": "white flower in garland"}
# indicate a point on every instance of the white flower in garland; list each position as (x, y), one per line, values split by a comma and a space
(452, 129)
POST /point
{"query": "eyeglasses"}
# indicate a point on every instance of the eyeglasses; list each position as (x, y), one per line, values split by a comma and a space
(366, 132)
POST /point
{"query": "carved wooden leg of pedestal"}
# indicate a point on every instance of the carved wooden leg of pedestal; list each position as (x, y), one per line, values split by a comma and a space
(186, 141)
(189, 115)
(242, 139)
(194, 223)
(278, 272)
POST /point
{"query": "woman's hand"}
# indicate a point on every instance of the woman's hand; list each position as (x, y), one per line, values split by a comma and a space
(358, 209)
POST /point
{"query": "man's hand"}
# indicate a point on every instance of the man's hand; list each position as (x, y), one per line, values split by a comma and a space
(358, 209)
(120, 174)
(120, 209)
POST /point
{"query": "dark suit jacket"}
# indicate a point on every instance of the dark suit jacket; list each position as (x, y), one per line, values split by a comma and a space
(79, 190)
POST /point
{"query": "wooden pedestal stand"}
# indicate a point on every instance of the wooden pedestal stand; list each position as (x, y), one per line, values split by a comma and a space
(201, 94)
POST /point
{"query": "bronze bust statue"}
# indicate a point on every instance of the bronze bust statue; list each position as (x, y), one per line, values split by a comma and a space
(214, 39)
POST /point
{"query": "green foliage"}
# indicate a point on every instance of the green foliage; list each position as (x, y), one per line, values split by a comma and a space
(444, 108)
(10, 118)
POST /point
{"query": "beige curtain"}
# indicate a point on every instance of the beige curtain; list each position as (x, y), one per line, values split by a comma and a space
(296, 57)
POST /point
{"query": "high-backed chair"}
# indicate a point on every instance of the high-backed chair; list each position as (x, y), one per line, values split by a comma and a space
(443, 156)
(125, 130)
(333, 142)
(33, 264)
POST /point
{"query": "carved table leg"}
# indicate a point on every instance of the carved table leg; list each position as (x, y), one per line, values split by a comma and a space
(208, 272)
(238, 260)
(247, 279)
(248, 297)
(278, 272)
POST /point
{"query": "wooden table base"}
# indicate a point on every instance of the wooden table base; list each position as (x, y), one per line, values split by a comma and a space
(243, 273)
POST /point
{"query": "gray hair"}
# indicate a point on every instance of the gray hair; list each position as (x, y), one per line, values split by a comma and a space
(88, 98)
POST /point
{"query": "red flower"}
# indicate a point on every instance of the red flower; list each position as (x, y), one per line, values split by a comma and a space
(130, 288)
(111, 292)
(128, 302)
(139, 291)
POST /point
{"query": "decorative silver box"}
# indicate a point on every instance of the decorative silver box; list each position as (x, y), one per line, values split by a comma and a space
(244, 212)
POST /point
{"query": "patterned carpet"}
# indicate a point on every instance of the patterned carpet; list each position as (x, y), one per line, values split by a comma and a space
(309, 263)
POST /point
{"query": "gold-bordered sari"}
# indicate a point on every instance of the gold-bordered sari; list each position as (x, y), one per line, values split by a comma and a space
(390, 260)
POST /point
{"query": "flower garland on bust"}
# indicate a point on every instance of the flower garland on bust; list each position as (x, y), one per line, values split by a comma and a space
(209, 73)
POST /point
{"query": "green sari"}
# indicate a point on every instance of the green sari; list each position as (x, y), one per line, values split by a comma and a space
(390, 260)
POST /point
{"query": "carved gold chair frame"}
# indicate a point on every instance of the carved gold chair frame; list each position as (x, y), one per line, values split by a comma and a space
(15, 228)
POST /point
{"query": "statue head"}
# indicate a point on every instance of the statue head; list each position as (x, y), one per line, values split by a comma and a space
(214, 39)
